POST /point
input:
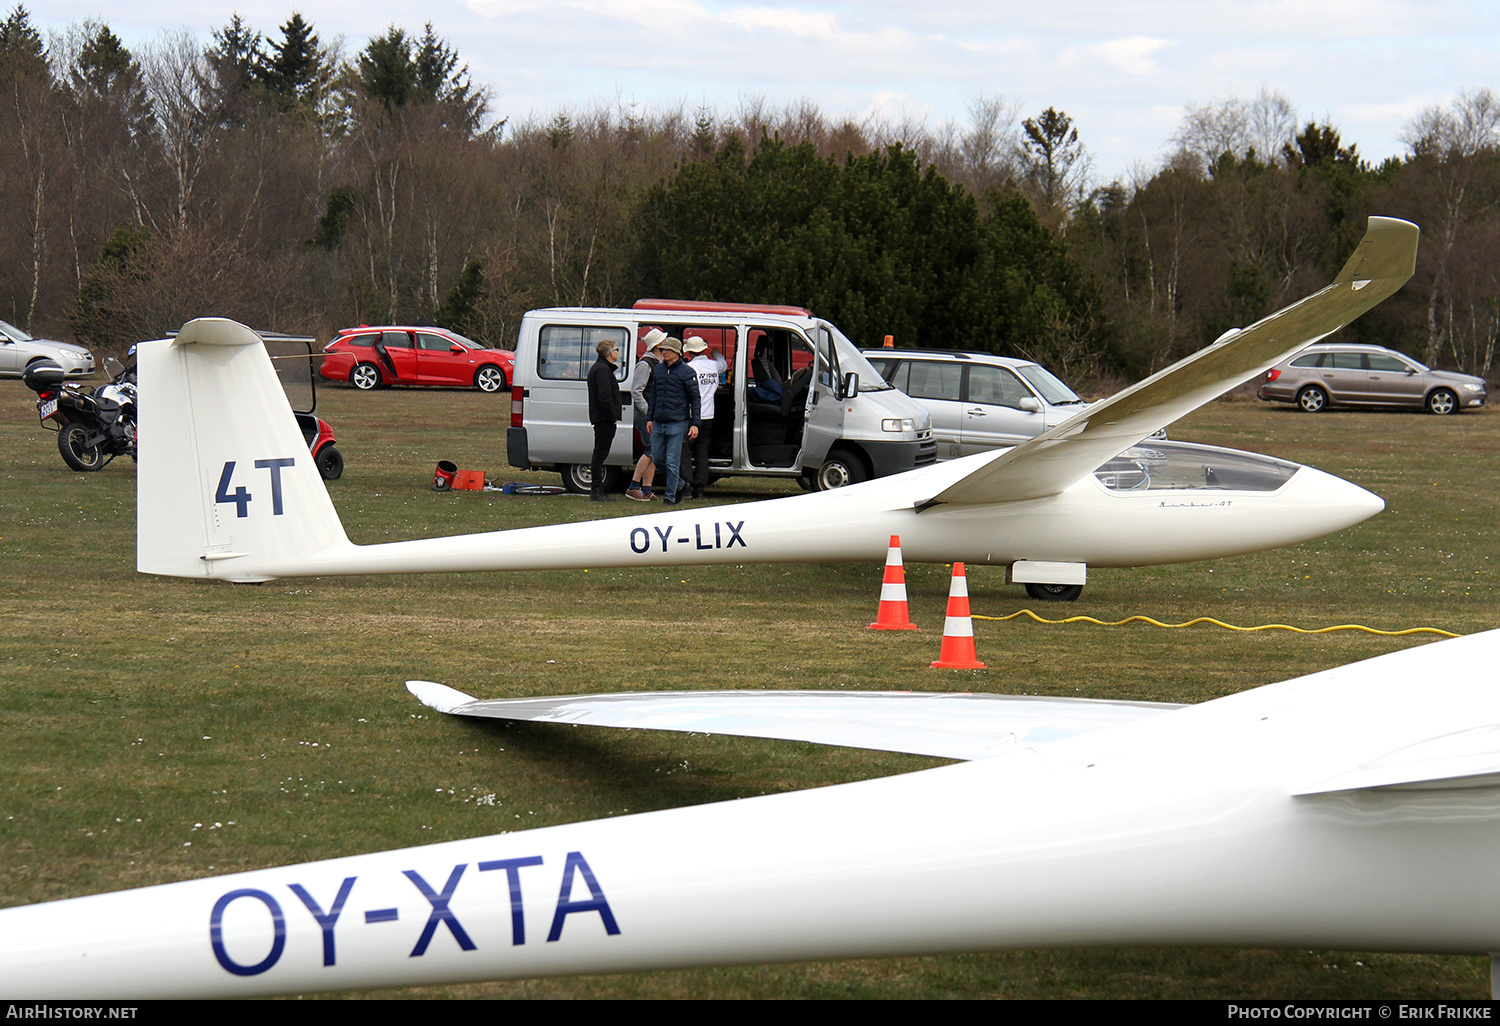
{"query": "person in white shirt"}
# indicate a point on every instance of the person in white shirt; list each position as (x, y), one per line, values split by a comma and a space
(707, 370)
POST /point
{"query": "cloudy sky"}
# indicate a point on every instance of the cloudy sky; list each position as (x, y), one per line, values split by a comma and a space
(1123, 69)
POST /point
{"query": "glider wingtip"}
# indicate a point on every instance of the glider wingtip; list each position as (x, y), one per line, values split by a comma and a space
(438, 696)
(1388, 250)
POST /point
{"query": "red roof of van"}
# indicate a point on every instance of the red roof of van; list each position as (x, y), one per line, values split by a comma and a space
(703, 306)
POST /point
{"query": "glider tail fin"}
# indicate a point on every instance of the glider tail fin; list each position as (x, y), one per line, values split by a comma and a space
(226, 487)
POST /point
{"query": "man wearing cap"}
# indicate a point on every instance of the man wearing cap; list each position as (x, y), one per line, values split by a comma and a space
(673, 414)
(706, 370)
(641, 390)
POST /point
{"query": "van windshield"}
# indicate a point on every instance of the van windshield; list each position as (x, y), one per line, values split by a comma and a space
(1047, 383)
(852, 360)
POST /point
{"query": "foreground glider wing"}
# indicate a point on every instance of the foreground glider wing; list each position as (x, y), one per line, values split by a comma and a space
(1354, 809)
(949, 726)
(1047, 464)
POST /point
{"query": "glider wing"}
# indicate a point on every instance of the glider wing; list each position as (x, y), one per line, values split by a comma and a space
(1050, 462)
(948, 726)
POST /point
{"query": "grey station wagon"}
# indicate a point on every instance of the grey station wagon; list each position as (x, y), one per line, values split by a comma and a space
(1348, 375)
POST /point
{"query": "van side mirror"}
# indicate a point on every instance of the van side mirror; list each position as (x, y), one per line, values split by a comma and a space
(1030, 405)
(851, 386)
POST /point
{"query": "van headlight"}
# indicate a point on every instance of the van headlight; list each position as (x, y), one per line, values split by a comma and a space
(898, 424)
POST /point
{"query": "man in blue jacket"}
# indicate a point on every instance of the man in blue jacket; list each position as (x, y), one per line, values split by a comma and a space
(673, 414)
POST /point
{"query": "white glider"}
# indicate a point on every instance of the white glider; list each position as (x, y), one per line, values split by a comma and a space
(1355, 809)
(228, 491)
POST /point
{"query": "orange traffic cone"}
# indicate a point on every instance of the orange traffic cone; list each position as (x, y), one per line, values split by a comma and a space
(893, 614)
(957, 652)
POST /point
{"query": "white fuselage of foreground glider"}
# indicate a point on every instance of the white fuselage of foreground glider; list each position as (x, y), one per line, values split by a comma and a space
(1356, 808)
(1086, 523)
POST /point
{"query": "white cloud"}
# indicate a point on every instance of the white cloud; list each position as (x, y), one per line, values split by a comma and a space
(814, 24)
(1134, 56)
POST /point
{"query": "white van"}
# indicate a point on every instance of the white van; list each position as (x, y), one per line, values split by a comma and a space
(836, 420)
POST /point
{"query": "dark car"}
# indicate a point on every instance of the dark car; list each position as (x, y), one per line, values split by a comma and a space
(369, 357)
(1350, 375)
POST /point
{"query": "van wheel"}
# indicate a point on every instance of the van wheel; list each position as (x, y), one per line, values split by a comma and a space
(839, 470)
(1054, 592)
(578, 478)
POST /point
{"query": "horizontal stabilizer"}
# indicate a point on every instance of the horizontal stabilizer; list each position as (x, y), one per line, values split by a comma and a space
(1050, 462)
(948, 726)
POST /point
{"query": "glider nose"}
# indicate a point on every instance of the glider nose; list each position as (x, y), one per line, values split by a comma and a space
(1334, 502)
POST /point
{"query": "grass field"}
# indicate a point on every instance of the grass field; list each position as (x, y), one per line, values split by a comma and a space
(160, 729)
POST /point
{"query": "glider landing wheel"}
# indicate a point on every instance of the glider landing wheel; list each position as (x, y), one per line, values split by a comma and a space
(1054, 592)
(1312, 399)
(365, 377)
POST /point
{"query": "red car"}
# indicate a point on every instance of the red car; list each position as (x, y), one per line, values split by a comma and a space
(369, 357)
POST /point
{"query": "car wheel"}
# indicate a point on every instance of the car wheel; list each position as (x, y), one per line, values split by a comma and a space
(1312, 399)
(1442, 402)
(839, 471)
(330, 463)
(72, 443)
(489, 378)
(1054, 592)
(365, 377)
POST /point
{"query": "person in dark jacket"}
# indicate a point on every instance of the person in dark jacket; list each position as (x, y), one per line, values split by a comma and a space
(640, 398)
(604, 411)
(674, 415)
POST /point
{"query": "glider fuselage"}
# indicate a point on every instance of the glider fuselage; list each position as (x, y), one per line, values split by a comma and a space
(1332, 811)
(1133, 523)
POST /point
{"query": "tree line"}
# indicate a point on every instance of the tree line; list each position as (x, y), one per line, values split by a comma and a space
(264, 176)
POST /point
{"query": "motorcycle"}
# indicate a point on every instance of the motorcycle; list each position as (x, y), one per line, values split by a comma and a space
(97, 424)
(94, 425)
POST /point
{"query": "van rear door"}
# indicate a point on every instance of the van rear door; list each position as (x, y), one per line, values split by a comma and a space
(557, 404)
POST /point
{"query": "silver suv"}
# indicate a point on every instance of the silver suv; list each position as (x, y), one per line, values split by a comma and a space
(978, 401)
(1349, 375)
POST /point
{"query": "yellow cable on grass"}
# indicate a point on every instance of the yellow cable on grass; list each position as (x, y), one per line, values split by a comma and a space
(1226, 626)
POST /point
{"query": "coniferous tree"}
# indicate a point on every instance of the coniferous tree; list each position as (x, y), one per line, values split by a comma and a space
(459, 310)
(296, 69)
(236, 56)
(22, 52)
